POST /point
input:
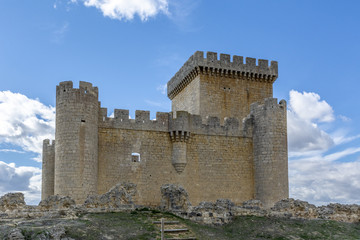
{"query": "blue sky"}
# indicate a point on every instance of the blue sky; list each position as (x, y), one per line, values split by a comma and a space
(130, 49)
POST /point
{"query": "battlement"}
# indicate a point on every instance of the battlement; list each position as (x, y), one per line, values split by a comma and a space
(48, 144)
(166, 122)
(85, 89)
(236, 68)
(142, 120)
(269, 103)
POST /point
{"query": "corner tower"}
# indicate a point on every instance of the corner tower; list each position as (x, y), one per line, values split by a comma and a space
(221, 87)
(76, 158)
(270, 151)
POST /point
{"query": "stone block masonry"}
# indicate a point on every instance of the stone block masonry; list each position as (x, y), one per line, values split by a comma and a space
(225, 138)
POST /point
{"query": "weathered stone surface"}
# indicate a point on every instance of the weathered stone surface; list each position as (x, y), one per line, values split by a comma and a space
(119, 195)
(252, 204)
(340, 212)
(217, 213)
(16, 234)
(11, 201)
(57, 202)
(174, 197)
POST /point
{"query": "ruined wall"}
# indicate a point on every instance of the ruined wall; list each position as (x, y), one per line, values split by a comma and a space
(218, 165)
(76, 158)
(48, 167)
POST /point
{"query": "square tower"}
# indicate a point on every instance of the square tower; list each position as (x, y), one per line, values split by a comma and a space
(221, 88)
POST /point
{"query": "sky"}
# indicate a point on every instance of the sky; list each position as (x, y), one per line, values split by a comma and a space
(131, 48)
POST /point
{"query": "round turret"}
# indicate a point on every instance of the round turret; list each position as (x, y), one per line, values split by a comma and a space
(270, 151)
(76, 159)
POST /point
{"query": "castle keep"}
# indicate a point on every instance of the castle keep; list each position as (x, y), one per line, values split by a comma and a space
(225, 137)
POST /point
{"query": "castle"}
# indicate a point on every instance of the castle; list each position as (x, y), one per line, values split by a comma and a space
(226, 137)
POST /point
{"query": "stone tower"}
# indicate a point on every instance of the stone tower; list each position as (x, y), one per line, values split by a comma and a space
(76, 158)
(48, 167)
(270, 151)
(221, 88)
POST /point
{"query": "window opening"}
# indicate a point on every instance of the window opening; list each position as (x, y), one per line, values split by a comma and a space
(135, 157)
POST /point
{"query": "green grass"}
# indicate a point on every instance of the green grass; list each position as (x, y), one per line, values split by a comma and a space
(138, 224)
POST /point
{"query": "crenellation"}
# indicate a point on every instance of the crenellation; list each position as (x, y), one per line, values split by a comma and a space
(103, 113)
(238, 61)
(231, 123)
(250, 64)
(142, 116)
(211, 57)
(263, 65)
(66, 85)
(213, 122)
(121, 115)
(211, 65)
(163, 117)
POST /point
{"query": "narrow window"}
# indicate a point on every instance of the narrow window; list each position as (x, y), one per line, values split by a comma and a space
(135, 157)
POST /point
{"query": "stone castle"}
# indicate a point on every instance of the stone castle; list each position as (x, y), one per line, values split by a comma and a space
(226, 137)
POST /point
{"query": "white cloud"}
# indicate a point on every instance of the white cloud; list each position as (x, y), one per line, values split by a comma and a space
(321, 179)
(166, 105)
(127, 9)
(11, 150)
(59, 33)
(21, 179)
(344, 118)
(315, 176)
(305, 111)
(182, 12)
(25, 122)
(309, 107)
(162, 88)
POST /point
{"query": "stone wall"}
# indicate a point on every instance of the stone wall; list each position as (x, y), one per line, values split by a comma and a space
(228, 96)
(188, 99)
(216, 165)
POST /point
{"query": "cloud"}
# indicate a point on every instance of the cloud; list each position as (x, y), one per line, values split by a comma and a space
(11, 150)
(25, 122)
(315, 175)
(304, 113)
(59, 33)
(163, 104)
(127, 9)
(321, 179)
(181, 12)
(21, 179)
(307, 106)
(162, 88)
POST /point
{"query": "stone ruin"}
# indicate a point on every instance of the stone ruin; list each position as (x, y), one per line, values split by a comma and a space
(174, 199)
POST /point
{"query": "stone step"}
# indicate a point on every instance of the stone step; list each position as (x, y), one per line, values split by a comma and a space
(187, 238)
(166, 222)
(175, 230)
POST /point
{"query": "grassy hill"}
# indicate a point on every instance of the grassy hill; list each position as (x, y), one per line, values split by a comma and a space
(140, 224)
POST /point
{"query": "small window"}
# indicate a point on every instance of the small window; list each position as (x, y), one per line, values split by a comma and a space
(135, 157)
(82, 120)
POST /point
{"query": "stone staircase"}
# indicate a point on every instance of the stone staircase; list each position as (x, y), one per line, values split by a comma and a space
(173, 230)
